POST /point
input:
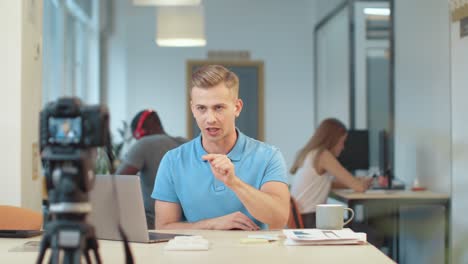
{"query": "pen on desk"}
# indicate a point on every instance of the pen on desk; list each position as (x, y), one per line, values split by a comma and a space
(258, 239)
(255, 241)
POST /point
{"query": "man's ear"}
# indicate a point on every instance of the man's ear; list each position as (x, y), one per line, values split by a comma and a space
(239, 105)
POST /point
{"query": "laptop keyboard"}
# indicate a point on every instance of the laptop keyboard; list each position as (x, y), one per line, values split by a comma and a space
(153, 236)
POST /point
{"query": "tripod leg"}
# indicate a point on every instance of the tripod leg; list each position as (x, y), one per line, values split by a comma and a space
(72, 256)
(93, 245)
(88, 259)
(42, 249)
(97, 256)
(55, 256)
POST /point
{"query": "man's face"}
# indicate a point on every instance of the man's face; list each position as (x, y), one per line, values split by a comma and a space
(215, 109)
(65, 127)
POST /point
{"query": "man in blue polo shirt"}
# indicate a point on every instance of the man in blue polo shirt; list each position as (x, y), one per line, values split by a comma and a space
(222, 179)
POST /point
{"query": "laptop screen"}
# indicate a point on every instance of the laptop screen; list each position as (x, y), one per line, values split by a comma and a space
(114, 198)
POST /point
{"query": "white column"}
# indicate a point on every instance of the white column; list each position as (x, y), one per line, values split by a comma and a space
(10, 108)
(459, 225)
(20, 77)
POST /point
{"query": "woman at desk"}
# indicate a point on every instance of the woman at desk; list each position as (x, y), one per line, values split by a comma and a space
(317, 170)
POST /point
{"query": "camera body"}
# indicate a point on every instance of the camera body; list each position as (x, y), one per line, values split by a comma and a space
(69, 135)
(67, 124)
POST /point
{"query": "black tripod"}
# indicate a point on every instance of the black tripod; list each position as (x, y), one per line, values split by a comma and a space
(68, 240)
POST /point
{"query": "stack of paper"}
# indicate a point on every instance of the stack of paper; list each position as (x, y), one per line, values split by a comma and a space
(346, 236)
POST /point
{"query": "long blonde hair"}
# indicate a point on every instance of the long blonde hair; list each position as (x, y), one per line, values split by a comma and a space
(325, 137)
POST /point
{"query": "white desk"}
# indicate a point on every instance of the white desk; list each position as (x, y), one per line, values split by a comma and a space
(389, 204)
(225, 247)
(347, 195)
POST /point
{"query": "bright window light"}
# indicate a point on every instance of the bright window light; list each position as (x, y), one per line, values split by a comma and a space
(377, 11)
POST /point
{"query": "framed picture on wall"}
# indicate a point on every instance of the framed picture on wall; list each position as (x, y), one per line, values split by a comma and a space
(250, 73)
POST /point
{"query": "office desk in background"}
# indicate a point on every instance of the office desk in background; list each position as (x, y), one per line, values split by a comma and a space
(386, 205)
(225, 247)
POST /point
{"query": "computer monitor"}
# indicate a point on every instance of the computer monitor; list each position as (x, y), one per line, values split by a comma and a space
(355, 155)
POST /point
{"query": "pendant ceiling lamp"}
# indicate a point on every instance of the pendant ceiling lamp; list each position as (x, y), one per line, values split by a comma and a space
(180, 26)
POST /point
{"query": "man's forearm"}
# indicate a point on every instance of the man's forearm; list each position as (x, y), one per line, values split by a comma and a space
(203, 224)
(265, 207)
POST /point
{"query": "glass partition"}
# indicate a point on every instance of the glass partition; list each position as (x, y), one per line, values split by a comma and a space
(353, 73)
(332, 67)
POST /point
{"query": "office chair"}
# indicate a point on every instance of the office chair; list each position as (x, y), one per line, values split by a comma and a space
(295, 218)
(17, 218)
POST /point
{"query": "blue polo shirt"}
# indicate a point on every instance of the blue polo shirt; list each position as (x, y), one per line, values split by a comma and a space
(185, 178)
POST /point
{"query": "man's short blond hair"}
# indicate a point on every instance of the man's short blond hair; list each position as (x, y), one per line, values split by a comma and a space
(211, 75)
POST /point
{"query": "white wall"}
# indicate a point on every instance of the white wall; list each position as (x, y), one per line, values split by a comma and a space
(274, 31)
(114, 74)
(422, 93)
(422, 118)
(324, 7)
(459, 66)
(10, 109)
(21, 23)
(31, 90)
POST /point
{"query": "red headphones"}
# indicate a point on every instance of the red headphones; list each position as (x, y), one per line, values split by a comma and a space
(139, 131)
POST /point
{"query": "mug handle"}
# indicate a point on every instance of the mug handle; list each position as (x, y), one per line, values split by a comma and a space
(352, 216)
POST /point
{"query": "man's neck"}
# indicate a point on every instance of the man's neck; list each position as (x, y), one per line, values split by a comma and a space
(223, 146)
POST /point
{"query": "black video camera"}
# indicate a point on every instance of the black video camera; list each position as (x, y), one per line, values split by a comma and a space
(68, 124)
(69, 135)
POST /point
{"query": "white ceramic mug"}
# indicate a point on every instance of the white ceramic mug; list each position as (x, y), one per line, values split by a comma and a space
(331, 216)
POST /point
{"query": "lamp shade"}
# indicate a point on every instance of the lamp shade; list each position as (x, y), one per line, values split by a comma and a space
(180, 26)
(377, 11)
(166, 2)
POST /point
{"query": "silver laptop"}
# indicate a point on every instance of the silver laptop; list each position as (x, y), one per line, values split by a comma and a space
(104, 211)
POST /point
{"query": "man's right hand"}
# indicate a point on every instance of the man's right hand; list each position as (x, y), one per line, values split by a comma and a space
(235, 220)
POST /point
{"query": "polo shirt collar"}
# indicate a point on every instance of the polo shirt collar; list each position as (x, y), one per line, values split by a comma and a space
(234, 155)
(236, 152)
